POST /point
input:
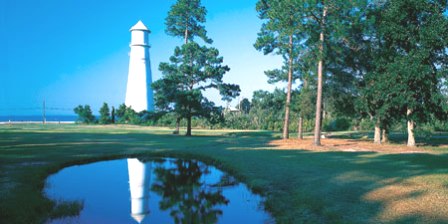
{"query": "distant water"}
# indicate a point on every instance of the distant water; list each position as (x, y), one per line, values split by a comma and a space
(38, 118)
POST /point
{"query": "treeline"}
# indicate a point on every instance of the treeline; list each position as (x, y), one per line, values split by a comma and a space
(110, 115)
(126, 115)
(265, 111)
(360, 63)
(385, 61)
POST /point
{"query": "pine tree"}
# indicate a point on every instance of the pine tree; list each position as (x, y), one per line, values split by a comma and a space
(184, 20)
(244, 106)
(126, 115)
(104, 114)
(193, 68)
(112, 116)
(306, 100)
(326, 23)
(281, 34)
(85, 114)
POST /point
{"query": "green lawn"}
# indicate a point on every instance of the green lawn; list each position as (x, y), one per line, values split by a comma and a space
(300, 186)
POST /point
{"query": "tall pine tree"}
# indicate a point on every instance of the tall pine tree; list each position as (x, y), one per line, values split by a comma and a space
(327, 23)
(184, 20)
(104, 114)
(281, 34)
(193, 68)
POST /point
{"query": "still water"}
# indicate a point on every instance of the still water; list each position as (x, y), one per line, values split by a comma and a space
(155, 191)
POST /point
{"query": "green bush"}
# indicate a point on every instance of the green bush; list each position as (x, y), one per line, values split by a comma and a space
(338, 124)
(366, 125)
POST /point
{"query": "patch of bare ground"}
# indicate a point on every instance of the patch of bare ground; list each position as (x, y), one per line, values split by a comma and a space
(344, 145)
(413, 197)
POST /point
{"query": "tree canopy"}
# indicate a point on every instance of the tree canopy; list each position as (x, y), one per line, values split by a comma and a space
(409, 45)
(185, 19)
(105, 117)
(85, 114)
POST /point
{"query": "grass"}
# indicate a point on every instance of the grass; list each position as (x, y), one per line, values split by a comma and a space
(300, 186)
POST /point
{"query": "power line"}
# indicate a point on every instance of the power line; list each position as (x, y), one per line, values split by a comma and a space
(35, 108)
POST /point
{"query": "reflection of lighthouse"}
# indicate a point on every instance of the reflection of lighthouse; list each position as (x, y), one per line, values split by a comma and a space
(139, 184)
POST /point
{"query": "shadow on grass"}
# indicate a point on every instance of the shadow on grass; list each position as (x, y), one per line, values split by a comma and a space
(355, 187)
(300, 186)
(434, 140)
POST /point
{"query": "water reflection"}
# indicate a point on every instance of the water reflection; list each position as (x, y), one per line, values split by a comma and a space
(139, 184)
(159, 191)
(185, 192)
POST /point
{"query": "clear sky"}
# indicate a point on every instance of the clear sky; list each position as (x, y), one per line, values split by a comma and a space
(75, 52)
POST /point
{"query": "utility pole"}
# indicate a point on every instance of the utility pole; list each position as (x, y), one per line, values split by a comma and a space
(44, 119)
(239, 105)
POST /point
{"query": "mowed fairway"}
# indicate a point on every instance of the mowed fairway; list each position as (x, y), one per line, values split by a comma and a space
(300, 185)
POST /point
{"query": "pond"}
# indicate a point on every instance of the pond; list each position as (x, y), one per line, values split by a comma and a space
(155, 191)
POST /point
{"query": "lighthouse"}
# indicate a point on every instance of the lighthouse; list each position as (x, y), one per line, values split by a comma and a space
(139, 184)
(139, 95)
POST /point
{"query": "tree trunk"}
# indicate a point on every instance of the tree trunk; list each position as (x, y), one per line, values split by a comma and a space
(300, 128)
(377, 135)
(288, 94)
(186, 33)
(176, 132)
(411, 124)
(318, 106)
(112, 116)
(385, 135)
(324, 113)
(319, 81)
(188, 125)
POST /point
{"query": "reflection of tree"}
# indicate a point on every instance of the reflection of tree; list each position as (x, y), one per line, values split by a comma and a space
(185, 195)
(226, 181)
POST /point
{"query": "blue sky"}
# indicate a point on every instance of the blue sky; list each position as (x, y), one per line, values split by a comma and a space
(75, 52)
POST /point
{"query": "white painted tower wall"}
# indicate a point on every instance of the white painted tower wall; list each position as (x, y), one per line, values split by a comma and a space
(139, 93)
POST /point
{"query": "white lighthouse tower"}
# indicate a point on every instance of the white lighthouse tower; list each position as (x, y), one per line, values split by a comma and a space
(139, 184)
(139, 94)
